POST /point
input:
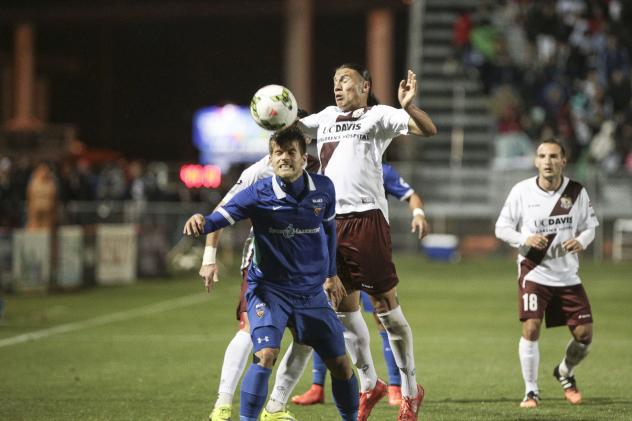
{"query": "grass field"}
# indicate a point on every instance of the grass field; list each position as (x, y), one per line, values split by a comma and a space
(153, 351)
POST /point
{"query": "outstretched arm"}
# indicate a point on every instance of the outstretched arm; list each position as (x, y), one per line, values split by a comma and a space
(420, 123)
(212, 225)
(224, 215)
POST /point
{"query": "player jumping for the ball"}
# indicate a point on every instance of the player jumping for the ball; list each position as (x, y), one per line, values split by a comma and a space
(351, 138)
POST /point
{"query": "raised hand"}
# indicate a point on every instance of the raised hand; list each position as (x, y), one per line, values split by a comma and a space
(407, 90)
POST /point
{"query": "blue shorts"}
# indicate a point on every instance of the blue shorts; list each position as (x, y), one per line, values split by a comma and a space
(312, 320)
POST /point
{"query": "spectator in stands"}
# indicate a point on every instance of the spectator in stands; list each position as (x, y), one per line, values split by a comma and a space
(502, 69)
(484, 39)
(111, 184)
(461, 35)
(42, 198)
(136, 182)
(619, 91)
(603, 148)
(612, 58)
(76, 180)
(625, 143)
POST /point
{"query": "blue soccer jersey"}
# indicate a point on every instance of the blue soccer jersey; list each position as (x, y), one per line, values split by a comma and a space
(294, 240)
(394, 184)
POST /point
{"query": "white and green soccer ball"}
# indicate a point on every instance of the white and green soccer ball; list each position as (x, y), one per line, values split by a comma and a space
(273, 107)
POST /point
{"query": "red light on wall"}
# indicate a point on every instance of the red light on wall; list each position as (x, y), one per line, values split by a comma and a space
(194, 175)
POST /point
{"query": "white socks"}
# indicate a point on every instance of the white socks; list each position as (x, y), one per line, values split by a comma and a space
(400, 337)
(235, 360)
(289, 372)
(529, 353)
(575, 353)
(357, 341)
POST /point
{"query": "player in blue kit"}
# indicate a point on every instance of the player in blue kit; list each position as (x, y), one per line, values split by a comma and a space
(293, 271)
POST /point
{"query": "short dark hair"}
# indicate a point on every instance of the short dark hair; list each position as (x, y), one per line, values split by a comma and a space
(286, 136)
(364, 73)
(553, 141)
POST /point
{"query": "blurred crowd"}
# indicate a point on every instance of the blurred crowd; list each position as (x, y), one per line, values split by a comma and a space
(32, 194)
(554, 68)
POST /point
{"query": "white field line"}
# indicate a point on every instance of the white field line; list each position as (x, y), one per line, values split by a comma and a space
(106, 319)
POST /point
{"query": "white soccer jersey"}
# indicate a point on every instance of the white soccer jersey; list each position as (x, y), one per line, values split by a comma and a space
(560, 215)
(257, 171)
(350, 147)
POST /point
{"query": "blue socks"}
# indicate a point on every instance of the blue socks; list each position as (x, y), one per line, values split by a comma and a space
(254, 391)
(346, 397)
(319, 370)
(394, 378)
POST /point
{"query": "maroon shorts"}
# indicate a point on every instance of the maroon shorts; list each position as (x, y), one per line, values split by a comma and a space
(242, 304)
(559, 306)
(364, 255)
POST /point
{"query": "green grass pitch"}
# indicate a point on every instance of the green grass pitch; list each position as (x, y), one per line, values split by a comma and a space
(161, 363)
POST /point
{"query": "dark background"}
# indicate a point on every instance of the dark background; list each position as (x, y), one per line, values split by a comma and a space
(131, 75)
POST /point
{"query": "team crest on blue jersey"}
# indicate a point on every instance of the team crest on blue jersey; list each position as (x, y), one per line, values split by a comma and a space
(566, 202)
(260, 309)
(317, 211)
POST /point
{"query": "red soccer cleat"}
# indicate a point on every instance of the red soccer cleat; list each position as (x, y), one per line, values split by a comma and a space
(409, 408)
(394, 395)
(313, 396)
(370, 398)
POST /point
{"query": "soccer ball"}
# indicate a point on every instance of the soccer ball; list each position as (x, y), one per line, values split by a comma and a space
(273, 107)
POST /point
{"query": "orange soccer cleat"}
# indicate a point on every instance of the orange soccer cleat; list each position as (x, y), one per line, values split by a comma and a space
(531, 400)
(370, 398)
(409, 407)
(569, 385)
(313, 396)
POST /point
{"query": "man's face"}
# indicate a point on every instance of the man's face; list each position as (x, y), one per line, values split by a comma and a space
(549, 161)
(287, 162)
(351, 91)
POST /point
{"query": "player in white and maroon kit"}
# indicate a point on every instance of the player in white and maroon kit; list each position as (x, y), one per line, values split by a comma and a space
(549, 218)
(351, 138)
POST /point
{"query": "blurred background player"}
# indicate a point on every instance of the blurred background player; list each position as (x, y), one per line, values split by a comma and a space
(396, 186)
(550, 219)
(294, 234)
(351, 138)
